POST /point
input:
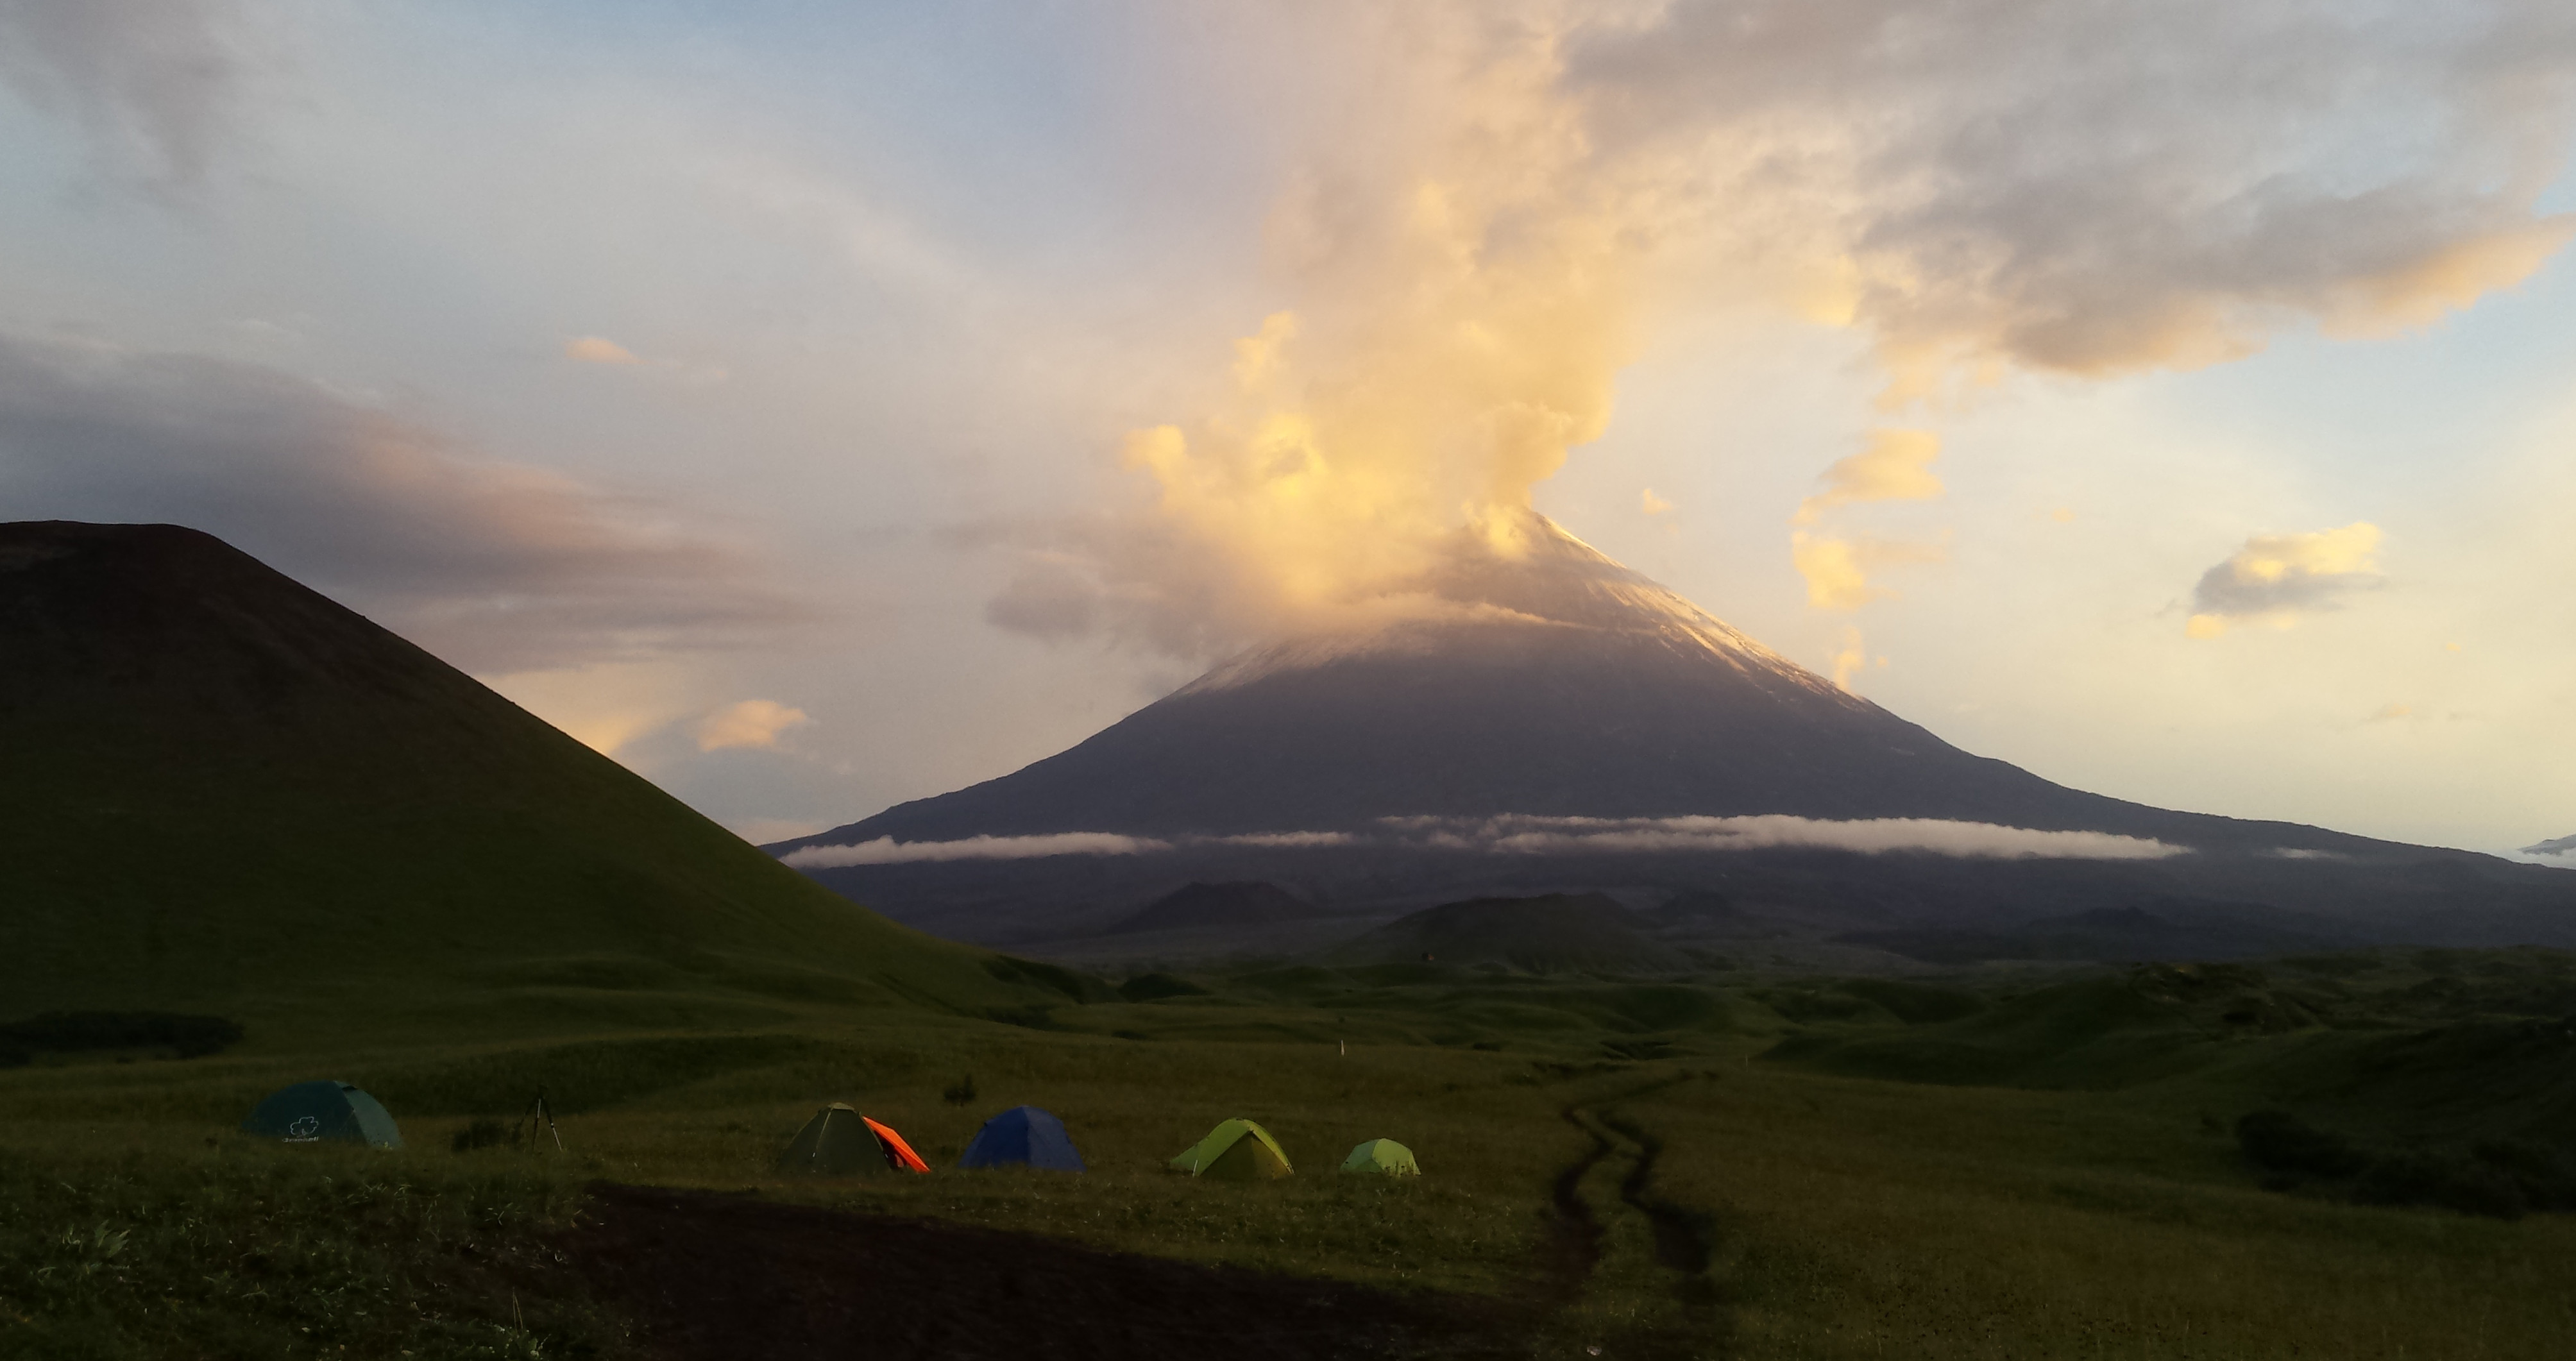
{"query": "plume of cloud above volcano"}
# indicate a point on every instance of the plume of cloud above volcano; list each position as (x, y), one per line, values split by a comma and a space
(1471, 254)
(494, 567)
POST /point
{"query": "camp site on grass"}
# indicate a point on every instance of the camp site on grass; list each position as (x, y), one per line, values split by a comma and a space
(1385, 1157)
(840, 1142)
(310, 1112)
(1236, 1150)
(1023, 1136)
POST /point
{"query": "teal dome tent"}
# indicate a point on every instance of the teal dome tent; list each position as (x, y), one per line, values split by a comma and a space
(312, 1112)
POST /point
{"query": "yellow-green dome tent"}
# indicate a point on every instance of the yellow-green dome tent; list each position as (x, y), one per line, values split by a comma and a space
(1383, 1156)
(1237, 1150)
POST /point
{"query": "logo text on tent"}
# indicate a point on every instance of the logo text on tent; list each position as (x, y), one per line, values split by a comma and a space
(304, 1130)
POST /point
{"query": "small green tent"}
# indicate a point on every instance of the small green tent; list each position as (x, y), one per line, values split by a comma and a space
(1385, 1157)
(1237, 1150)
(835, 1143)
(310, 1112)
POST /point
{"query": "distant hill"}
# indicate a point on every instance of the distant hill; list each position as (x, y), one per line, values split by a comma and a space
(2165, 929)
(226, 792)
(2565, 845)
(1236, 903)
(1552, 933)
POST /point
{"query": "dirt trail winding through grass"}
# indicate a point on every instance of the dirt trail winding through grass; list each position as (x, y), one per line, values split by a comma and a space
(1686, 1238)
(1572, 1247)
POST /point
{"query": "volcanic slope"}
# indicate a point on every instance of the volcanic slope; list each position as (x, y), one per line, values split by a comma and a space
(1551, 682)
(1513, 688)
(225, 791)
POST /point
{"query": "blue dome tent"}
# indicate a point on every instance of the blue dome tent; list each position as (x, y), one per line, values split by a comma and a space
(1023, 1136)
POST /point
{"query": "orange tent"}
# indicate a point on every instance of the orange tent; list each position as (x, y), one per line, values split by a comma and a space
(897, 1151)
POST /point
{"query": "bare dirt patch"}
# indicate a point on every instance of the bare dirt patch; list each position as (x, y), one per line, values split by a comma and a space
(708, 1275)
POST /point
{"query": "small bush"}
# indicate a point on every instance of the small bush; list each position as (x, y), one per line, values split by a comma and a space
(486, 1134)
(2545, 1176)
(1153, 987)
(2278, 1141)
(961, 1092)
(2447, 1183)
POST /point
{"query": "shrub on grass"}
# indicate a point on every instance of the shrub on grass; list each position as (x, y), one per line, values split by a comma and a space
(1153, 987)
(961, 1092)
(2447, 1183)
(2278, 1141)
(486, 1134)
(2545, 1176)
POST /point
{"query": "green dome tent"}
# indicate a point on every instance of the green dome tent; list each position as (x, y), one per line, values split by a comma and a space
(840, 1142)
(1237, 1150)
(310, 1112)
(1383, 1156)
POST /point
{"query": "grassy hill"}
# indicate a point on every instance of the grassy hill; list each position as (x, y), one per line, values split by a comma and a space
(226, 792)
(1552, 933)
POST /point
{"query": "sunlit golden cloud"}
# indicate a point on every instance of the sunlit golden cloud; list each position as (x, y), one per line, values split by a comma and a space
(1897, 466)
(1837, 571)
(751, 724)
(599, 350)
(2276, 577)
(1848, 661)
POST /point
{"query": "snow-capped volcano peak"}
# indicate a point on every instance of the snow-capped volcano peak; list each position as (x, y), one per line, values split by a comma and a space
(1513, 585)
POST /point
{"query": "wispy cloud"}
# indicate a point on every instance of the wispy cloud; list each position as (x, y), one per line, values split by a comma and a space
(151, 82)
(2276, 577)
(494, 566)
(599, 350)
(753, 723)
(1837, 571)
(1897, 466)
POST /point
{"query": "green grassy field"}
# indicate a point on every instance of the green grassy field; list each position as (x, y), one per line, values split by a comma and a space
(1988, 1167)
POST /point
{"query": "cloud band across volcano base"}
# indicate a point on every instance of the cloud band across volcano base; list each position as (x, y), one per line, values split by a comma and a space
(1516, 834)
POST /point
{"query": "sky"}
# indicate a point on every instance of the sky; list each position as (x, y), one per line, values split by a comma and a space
(820, 406)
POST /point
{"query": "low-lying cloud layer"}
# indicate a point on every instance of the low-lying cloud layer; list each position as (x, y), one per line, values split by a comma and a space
(494, 567)
(1867, 836)
(1527, 835)
(885, 850)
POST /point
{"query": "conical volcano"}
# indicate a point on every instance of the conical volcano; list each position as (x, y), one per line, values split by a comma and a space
(1529, 714)
(1533, 678)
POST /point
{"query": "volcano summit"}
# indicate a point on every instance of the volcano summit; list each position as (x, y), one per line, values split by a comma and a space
(1537, 715)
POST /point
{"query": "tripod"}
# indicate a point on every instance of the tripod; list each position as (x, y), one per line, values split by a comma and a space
(541, 1113)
